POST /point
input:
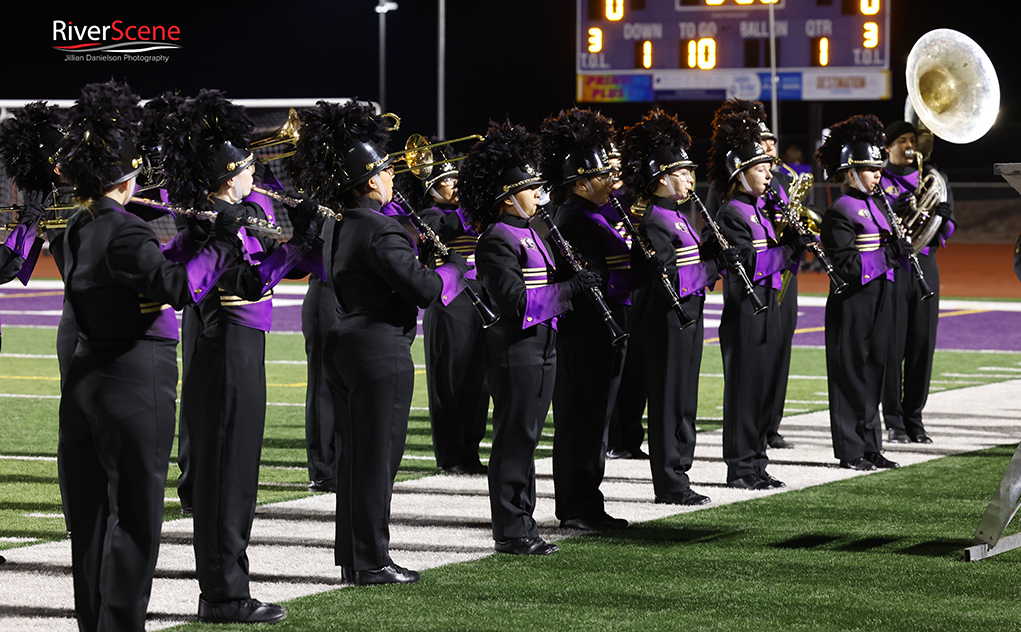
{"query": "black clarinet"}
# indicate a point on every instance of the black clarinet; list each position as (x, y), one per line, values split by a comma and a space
(898, 232)
(665, 285)
(616, 333)
(757, 304)
(489, 317)
(839, 285)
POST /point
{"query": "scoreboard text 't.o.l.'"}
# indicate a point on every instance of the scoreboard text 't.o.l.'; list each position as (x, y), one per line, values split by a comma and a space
(648, 50)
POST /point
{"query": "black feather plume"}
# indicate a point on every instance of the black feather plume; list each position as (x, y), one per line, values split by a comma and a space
(656, 129)
(729, 133)
(28, 140)
(860, 128)
(571, 130)
(478, 183)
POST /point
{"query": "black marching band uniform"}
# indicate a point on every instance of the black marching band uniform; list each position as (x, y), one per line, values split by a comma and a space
(223, 394)
(654, 155)
(913, 341)
(750, 343)
(589, 366)
(117, 408)
(453, 335)
(856, 236)
(498, 188)
(379, 283)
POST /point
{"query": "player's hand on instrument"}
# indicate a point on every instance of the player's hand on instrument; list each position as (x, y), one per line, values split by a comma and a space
(943, 210)
(902, 205)
(230, 219)
(457, 260)
(584, 280)
(33, 209)
(897, 250)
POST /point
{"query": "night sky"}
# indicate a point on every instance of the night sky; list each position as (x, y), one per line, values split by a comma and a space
(505, 59)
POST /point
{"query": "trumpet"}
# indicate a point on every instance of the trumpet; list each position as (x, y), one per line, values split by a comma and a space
(489, 317)
(55, 223)
(254, 223)
(418, 154)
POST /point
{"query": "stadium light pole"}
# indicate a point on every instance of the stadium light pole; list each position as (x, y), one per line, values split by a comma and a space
(382, 9)
(441, 69)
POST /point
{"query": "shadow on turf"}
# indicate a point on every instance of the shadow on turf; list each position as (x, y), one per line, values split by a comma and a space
(930, 548)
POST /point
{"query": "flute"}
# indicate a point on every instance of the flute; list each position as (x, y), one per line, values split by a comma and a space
(294, 202)
(898, 232)
(253, 223)
(757, 304)
(489, 317)
(839, 285)
(617, 334)
(665, 285)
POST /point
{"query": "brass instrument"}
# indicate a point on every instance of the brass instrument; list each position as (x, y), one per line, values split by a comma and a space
(418, 154)
(793, 219)
(285, 134)
(44, 224)
(254, 223)
(799, 190)
(954, 92)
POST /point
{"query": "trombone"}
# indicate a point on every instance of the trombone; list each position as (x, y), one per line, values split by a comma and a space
(418, 154)
(285, 134)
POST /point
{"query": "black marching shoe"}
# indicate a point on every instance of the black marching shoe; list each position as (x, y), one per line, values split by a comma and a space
(526, 546)
(618, 453)
(467, 468)
(860, 464)
(897, 435)
(594, 523)
(774, 483)
(688, 497)
(638, 454)
(779, 443)
(920, 437)
(880, 461)
(324, 487)
(391, 574)
(240, 611)
(750, 481)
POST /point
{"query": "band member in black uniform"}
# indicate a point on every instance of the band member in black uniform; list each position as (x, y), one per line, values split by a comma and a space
(458, 395)
(914, 334)
(499, 190)
(576, 165)
(117, 406)
(857, 238)
(318, 316)
(751, 343)
(657, 169)
(341, 160)
(223, 393)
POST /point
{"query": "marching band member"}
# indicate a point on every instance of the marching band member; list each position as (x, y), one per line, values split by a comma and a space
(318, 317)
(223, 394)
(576, 165)
(499, 190)
(657, 168)
(914, 333)
(458, 395)
(117, 407)
(372, 266)
(751, 343)
(859, 319)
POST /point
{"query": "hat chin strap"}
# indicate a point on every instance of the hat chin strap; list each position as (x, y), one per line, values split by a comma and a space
(744, 182)
(857, 181)
(382, 189)
(519, 208)
(588, 187)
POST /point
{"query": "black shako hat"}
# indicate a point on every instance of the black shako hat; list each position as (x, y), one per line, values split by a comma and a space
(735, 147)
(204, 145)
(656, 145)
(575, 145)
(341, 146)
(498, 166)
(28, 145)
(855, 142)
(98, 151)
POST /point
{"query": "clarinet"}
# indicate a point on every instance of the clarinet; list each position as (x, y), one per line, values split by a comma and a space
(757, 304)
(489, 317)
(617, 334)
(898, 232)
(665, 285)
(839, 285)
(254, 223)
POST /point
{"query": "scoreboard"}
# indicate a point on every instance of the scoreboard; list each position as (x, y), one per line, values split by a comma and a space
(664, 50)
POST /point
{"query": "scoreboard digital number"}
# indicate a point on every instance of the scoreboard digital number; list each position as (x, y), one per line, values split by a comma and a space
(653, 50)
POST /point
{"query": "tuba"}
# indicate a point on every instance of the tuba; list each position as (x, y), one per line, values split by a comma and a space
(954, 93)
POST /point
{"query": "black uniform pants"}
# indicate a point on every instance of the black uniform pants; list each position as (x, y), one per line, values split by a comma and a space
(116, 433)
(224, 400)
(751, 345)
(521, 369)
(456, 380)
(372, 390)
(318, 317)
(191, 328)
(672, 358)
(626, 430)
(912, 345)
(857, 344)
(788, 323)
(588, 377)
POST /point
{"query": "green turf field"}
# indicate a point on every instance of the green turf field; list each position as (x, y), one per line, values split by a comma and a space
(873, 553)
